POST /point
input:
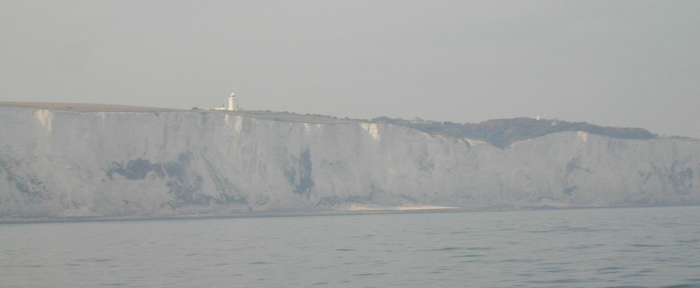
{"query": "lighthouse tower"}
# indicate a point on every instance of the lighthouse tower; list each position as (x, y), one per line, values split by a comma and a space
(232, 106)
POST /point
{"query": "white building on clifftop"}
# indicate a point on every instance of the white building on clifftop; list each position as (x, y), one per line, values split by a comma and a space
(232, 105)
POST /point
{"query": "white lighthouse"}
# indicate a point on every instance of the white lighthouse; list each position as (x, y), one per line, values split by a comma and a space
(232, 103)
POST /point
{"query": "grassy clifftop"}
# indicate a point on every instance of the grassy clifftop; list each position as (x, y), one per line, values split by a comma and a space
(86, 107)
(266, 115)
(503, 132)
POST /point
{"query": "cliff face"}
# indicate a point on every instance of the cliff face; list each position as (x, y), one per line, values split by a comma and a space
(61, 163)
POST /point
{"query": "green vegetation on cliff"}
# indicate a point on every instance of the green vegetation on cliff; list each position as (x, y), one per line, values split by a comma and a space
(503, 132)
(500, 132)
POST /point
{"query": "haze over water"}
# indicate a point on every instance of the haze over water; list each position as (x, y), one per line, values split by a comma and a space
(634, 247)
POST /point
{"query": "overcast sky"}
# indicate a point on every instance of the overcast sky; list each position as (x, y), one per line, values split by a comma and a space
(613, 63)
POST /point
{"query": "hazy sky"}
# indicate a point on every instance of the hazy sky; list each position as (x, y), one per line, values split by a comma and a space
(615, 63)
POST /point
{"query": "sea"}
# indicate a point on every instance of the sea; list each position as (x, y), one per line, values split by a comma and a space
(616, 247)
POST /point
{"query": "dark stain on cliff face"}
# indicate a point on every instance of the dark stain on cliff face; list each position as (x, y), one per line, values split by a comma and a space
(681, 179)
(183, 182)
(186, 193)
(138, 169)
(33, 189)
(178, 170)
(305, 169)
(573, 165)
(233, 199)
(291, 175)
(299, 175)
(134, 169)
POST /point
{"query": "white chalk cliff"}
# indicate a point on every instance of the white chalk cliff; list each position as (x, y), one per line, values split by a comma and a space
(57, 163)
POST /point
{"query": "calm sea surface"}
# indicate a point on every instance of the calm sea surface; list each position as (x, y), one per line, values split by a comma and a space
(640, 247)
